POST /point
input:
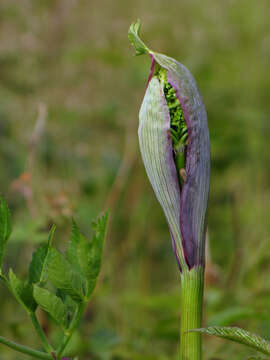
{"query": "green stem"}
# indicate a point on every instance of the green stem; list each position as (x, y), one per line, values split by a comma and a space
(73, 325)
(24, 349)
(192, 282)
(41, 334)
(34, 319)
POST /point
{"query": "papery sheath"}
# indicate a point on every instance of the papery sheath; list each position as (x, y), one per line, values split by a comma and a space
(157, 154)
(184, 199)
(194, 194)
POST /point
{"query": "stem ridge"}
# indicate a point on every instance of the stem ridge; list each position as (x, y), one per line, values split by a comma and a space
(191, 313)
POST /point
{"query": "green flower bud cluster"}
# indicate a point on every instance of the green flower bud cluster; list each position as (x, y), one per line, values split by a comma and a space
(178, 129)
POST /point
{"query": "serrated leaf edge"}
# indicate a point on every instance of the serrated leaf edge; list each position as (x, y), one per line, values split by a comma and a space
(238, 335)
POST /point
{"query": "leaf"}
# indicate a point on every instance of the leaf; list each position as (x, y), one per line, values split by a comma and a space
(5, 228)
(133, 35)
(38, 266)
(238, 335)
(63, 277)
(86, 256)
(23, 291)
(95, 251)
(256, 358)
(70, 304)
(77, 250)
(52, 304)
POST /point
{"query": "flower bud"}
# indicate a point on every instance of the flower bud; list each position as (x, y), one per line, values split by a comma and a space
(175, 148)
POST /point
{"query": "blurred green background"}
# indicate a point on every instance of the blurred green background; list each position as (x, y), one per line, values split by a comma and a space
(70, 92)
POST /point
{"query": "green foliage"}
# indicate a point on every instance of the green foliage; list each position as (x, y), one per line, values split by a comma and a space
(70, 304)
(23, 292)
(178, 129)
(5, 228)
(63, 277)
(73, 278)
(38, 266)
(240, 336)
(95, 251)
(77, 250)
(133, 35)
(178, 124)
(52, 304)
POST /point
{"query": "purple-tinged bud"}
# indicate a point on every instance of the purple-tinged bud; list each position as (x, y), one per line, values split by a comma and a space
(174, 143)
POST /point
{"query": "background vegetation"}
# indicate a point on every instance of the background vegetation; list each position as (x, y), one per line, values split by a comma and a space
(70, 91)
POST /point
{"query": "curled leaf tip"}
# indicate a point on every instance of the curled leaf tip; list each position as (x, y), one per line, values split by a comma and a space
(133, 35)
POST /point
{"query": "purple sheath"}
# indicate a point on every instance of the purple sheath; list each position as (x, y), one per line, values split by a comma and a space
(185, 210)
